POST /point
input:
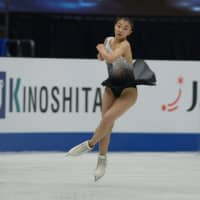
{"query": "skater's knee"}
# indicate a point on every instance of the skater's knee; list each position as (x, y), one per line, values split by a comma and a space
(107, 120)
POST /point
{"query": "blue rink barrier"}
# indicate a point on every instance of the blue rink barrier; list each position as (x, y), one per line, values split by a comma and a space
(128, 142)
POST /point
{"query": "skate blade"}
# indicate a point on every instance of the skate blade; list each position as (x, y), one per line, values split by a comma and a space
(96, 178)
(71, 154)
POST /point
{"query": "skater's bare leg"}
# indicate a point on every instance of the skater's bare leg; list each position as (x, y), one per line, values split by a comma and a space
(84, 147)
(119, 107)
(104, 144)
(115, 109)
(108, 99)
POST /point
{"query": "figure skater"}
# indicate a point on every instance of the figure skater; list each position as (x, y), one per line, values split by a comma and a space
(120, 92)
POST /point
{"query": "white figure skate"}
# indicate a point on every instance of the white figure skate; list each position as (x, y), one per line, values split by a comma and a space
(79, 149)
(101, 167)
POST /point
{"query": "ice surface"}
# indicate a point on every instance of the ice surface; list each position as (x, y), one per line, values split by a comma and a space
(129, 176)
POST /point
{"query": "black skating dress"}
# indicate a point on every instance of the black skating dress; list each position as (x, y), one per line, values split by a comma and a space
(122, 75)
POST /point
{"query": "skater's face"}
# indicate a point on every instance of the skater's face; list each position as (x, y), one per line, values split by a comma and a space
(123, 29)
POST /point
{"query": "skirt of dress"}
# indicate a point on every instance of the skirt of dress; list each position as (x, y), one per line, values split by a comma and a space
(142, 73)
(112, 84)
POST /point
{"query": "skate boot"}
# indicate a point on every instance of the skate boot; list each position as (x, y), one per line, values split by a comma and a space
(79, 149)
(101, 167)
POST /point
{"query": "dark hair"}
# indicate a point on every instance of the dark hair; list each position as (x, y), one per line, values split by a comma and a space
(125, 19)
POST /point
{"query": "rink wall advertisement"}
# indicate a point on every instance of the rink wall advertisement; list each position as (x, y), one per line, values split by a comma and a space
(44, 96)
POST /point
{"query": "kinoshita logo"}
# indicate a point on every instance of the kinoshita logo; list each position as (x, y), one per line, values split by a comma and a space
(175, 104)
(16, 97)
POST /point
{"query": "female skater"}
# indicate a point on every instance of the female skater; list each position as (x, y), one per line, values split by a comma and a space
(120, 92)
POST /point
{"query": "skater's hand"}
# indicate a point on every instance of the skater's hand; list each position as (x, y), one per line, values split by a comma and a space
(100, 47)
(99, 57)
